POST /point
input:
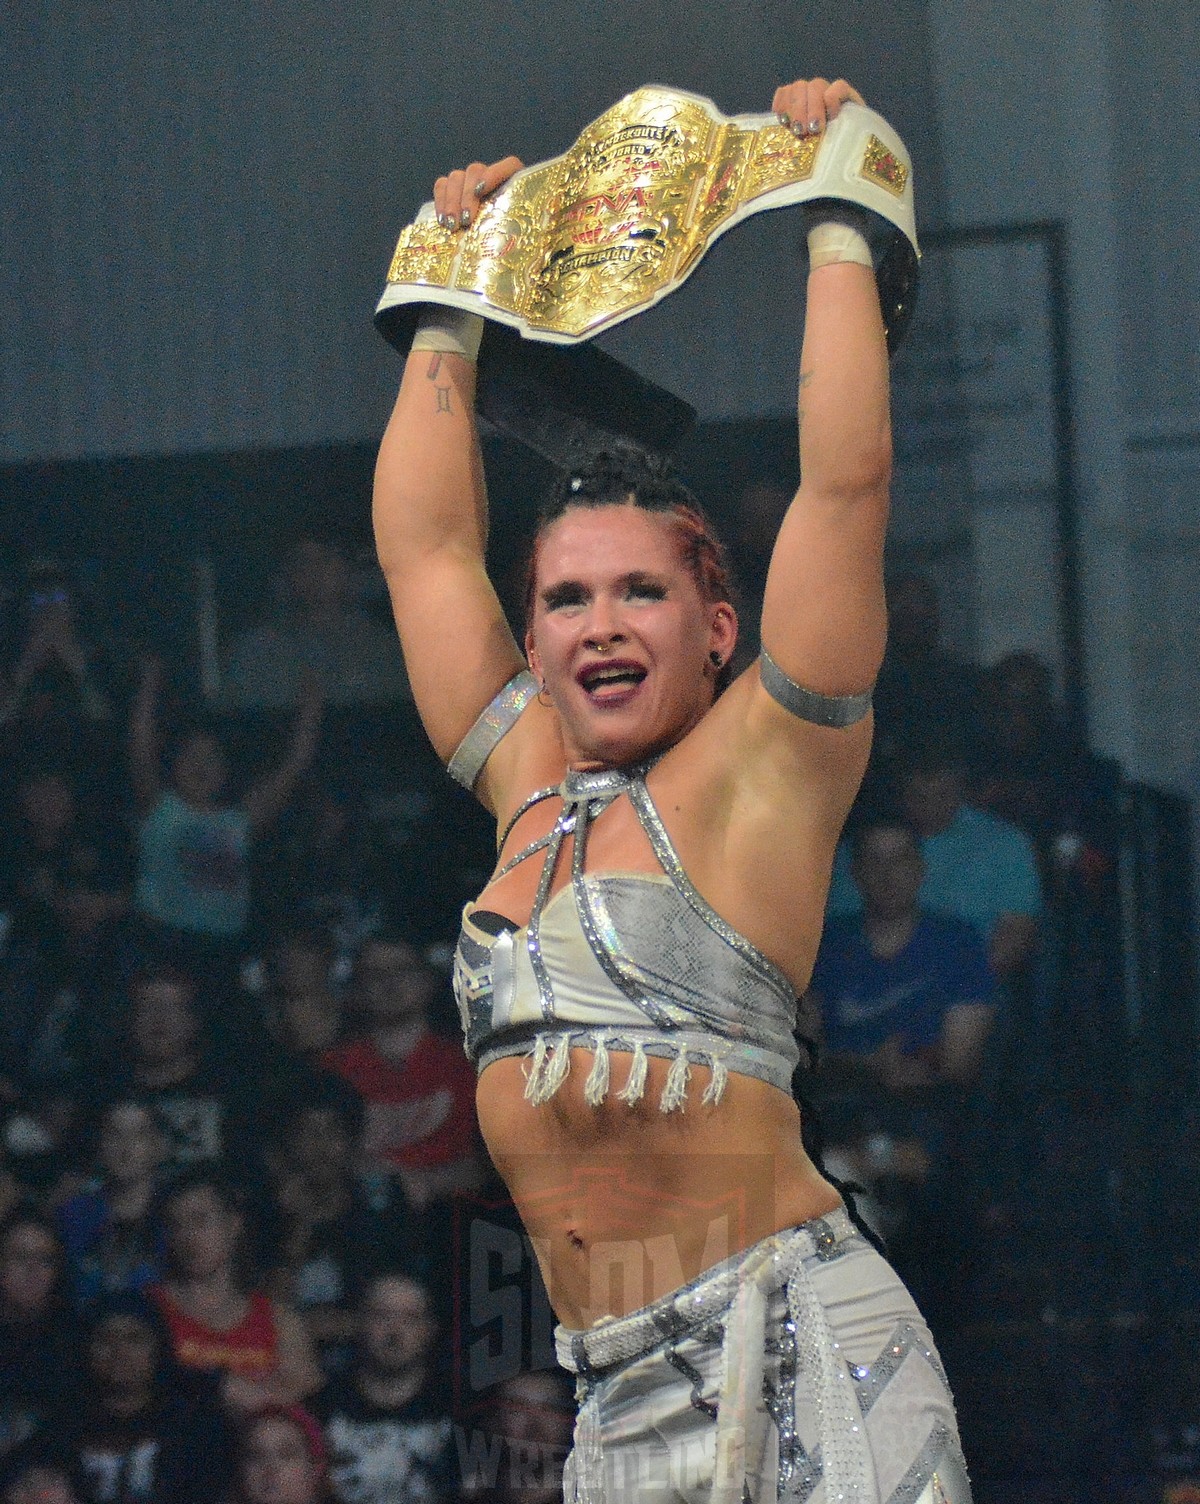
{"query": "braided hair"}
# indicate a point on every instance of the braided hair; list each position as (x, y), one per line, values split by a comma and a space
(625, 475)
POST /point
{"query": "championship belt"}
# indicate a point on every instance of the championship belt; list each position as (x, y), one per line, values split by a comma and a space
(573, 246)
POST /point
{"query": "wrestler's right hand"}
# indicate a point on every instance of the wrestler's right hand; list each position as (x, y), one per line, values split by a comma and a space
(458, 196)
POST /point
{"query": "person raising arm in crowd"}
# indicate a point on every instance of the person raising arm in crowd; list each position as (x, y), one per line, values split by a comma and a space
(193, 843)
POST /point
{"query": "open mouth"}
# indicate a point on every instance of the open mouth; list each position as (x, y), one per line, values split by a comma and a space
(610, 681)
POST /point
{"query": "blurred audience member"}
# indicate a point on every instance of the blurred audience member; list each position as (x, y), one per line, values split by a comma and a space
(37, 1479)
(111, 1238)
(38, 1141)
(56, 673)
(281, 1458)
(321, 631)
(260, 1348)
(905, 1001)
(532, 1418)
(1032, 770)
(11, 1194)
(921, 691)
(38, 1342)
(418, 1087)
(65, 876)
(905, 994)
(45, 1032)
(304, 1002)
(321, 866)
(170, 1068)
(193, 845)
(387, 1420)
(145, 1432)
(330, 1231)
(303, 1019)
(759, 511)
(977, 867)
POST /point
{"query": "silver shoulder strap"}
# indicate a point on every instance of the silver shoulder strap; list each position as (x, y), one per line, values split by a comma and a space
(499, 718)
(823, 710)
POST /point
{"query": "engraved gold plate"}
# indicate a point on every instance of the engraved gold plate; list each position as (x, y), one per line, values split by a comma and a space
(882, 166)
(574, 245)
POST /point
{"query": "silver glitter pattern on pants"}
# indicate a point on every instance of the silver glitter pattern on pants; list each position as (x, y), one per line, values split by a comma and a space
(842, 1399)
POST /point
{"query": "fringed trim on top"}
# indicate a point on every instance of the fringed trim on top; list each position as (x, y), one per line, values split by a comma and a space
(674, 1093)
(635, 1088)
(595, 1088)
(549, 1063)
(548, 1068)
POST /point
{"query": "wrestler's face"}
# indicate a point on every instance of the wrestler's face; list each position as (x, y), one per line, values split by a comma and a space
(621, 634)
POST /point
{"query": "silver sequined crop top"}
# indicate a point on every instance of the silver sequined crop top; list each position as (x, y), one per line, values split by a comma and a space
(633, 962)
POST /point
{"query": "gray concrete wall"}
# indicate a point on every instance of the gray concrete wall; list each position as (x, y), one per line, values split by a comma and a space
(207, 195)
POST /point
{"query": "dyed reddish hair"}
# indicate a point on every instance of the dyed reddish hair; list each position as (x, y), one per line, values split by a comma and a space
(309, 1429)
(625, 476)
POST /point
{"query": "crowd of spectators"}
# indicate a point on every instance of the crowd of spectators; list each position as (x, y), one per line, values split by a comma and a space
(235, 1126)
(979, 814)
(237, 1131)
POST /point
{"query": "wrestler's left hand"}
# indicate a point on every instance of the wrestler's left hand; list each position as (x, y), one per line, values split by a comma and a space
(809, 104)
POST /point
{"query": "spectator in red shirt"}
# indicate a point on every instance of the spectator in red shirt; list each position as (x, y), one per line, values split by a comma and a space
(259, 1348)
(418, 1088)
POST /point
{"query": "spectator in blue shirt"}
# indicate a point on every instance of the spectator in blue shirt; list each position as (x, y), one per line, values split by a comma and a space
(112, 1241)
(977, 866)
(907, 993)
(904, 1000)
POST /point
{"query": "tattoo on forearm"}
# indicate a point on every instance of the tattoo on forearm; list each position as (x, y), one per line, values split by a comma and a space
(805, 378)
(443, 392)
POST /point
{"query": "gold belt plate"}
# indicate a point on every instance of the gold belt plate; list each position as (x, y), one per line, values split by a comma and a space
(575, 244)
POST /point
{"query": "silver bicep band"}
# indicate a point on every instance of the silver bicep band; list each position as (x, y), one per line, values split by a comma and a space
(823, 710)
(493, 724)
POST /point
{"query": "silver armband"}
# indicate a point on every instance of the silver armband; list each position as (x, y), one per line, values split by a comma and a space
(823, 710)
(494, 723)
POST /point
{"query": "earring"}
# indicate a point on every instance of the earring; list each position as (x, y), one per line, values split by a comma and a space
(542, 697)
(715, 659)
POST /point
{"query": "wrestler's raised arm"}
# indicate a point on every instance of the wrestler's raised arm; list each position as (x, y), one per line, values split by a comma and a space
(430, 517)
(824, 620)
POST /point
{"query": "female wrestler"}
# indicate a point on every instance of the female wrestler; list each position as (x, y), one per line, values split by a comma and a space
(627, 978)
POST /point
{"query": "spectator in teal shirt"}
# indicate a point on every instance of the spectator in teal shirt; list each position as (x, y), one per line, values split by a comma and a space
(193, 841)
(977, 866)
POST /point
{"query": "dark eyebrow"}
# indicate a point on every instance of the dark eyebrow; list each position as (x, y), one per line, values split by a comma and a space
(641, 577)
(563, 593)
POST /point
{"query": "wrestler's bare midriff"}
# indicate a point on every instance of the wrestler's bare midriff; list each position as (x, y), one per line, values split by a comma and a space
(624, 1203)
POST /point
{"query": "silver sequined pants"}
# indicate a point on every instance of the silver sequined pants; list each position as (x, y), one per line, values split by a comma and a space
(800, 1370)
